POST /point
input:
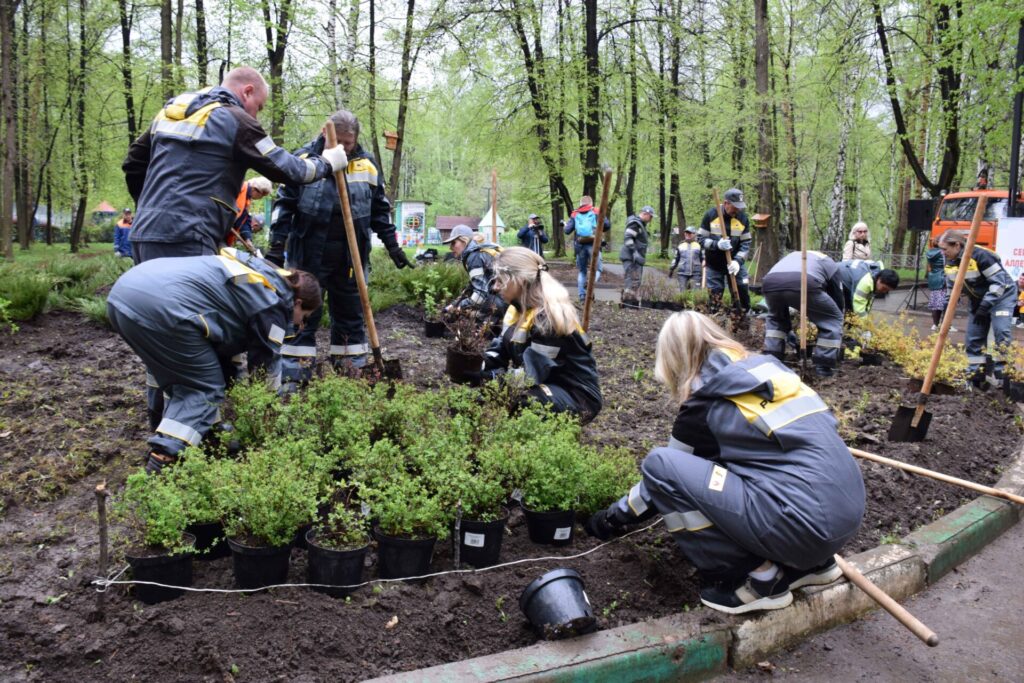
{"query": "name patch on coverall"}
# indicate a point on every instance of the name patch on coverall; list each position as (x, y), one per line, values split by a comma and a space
(718, 475)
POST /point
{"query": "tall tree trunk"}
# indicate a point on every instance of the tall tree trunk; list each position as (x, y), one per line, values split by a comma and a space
(769, 242)
(902, 203)
(126, 69)
(372, 68)
(835, 232)
(592, 115)
(276, 48)
(81, 174)
(178, 22)
(634, 111)
(675, 58)
(333, 67)
(166, 50)
(202, 56)
(7, 10)
(22, 186)
(351, 45)
(403, 99)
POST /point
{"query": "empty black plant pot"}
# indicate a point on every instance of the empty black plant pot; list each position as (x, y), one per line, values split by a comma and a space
(480, 542)
(551, 527)
(463, 368)
(259, 566)
(557, 606)
(870, 358)
(210, 541)
(400, 558)
(335, 567)
(434, 329)
(1013, 390)
(165, 568)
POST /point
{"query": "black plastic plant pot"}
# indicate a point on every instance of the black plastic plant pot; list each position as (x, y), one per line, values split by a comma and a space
(334, 567)
(171, 570)
(434, 329)
(553, 527)
(870, 358)
(480, 542)
(1014, 390)
(259, 566)
(463, 368)
(299, 540)
(557, 606)
(400, 558)
(210, 541)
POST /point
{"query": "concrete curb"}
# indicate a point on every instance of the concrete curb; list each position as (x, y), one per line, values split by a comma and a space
(674, 649)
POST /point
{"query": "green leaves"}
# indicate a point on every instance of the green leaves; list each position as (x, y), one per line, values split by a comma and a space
(154, 510)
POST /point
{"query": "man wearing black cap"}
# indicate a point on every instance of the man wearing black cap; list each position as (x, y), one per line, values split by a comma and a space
(734, 237)
(532, 235)
(633, 253)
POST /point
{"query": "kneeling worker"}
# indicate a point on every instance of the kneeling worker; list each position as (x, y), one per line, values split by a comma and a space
(477, 257)
(862, 280)
(756, 486)
(781, 287)
(543, 337)
(186, 317)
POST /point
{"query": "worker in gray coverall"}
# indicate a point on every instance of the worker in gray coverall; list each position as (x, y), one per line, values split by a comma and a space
(186, 317)
(781, 288)
(755, 485)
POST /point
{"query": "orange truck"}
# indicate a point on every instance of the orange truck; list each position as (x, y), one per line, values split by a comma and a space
(957, 209)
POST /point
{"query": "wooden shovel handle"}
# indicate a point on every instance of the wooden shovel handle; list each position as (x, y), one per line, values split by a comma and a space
(954, 296)
(804, 221)
(939, 476)
(728, 252)
(331, 138)
(595, 253)
(887, 603)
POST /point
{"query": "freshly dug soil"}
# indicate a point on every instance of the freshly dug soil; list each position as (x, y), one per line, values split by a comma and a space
(72, 414)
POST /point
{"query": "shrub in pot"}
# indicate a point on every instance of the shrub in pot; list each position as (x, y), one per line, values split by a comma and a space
(161, 551)
(202, 483)
(465, 352)
(272, 496)
(433, 325)
(337, 548)
(475, 488)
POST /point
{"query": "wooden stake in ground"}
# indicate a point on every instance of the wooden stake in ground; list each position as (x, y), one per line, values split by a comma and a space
(887, 603)
(939, 476)
(595, 253)
(331, 136)
(804, 220)
(101, 509)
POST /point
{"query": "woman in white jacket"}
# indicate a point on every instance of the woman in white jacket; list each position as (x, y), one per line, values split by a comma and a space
(859, 244)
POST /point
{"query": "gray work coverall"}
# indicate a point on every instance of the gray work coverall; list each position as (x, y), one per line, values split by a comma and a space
(186, 317)
(754, 470)
(633, 253)
(781, 287)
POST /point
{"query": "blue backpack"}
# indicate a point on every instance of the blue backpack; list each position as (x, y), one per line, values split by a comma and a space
(586, 224)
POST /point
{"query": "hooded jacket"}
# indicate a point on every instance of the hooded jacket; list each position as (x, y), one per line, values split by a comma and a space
(856, 250)
(184, 172)
(303, 214)
(760, 422)
(478, 260)
(986, 282)
(859, 284)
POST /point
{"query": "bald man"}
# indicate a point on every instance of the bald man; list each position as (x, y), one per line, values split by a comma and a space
(185, 170)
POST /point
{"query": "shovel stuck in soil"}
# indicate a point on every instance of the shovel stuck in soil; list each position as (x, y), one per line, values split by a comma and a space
(391, 368)
(911, 424)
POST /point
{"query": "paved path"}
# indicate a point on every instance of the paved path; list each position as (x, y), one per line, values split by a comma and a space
(977, 610)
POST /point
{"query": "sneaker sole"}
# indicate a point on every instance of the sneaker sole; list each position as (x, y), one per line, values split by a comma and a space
(768, 603)
(820, 579)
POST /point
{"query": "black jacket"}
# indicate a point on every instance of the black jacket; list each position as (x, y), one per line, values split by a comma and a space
(711, 232)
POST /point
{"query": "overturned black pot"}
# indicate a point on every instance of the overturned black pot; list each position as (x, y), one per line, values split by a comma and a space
(168, 569)
(550, 527)
(341, 569)
(211, 543)
(259, 566)
(463, 368)
(480, 542)
(557, 606)
(434, 329)
(400, 558)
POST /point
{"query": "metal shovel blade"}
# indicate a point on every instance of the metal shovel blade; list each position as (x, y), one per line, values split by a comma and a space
(901, 429)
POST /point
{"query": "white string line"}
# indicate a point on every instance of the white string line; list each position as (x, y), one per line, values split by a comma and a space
(102, 584)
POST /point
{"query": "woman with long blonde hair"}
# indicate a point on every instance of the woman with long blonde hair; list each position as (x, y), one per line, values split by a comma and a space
(542, 336)
(755, 485)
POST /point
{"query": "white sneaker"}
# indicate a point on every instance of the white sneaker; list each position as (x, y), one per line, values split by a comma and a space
(953, 329)
(935, 328)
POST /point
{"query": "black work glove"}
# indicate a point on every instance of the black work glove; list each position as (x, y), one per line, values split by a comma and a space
(601, 527)
(399, 258)
(671, 271)
(276, 254)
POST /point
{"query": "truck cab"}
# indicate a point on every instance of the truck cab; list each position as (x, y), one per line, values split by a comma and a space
(957, 209)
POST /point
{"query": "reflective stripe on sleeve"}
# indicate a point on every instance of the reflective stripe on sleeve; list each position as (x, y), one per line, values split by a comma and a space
(992, 270)
(476, 298)
(686, 521)
(788, 412)
(676, 444)
(266, 145)
(179, 431)
(976, 360)
(545, 350)
(476, 272)
(636, 502)
(310, 170)
(276, 334)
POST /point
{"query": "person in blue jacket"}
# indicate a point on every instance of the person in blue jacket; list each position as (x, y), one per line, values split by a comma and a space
(122, 232)
(755, 485)
(532, 235)
(186, 317)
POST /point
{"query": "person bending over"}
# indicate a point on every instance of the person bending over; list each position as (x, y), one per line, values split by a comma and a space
(755, 484)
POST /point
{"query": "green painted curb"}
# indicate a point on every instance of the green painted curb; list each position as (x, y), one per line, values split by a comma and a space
(667, 649)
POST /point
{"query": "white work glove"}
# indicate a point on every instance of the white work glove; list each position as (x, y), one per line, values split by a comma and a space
(733, 267)
(724, 244)
(336, 157)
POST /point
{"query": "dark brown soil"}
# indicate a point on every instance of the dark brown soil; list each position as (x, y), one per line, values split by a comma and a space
(72, 414)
